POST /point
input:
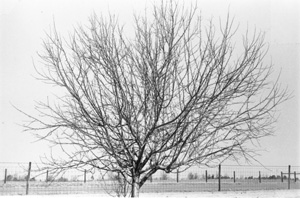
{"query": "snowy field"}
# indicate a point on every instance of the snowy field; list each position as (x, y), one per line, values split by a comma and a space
(228, 194)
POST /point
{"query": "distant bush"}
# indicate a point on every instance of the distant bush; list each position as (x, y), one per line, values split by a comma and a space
(18, 178)
(74, 178)
(275, 177)
(25, 178)
(15, 178)
(62, 179)
(164, 176)
(272, 177)
(225, 177)
(10, 178)
(50, 179)
(192, 176)
(114, 177)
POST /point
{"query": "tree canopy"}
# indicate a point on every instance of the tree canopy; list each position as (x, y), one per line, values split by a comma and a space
(172, 94)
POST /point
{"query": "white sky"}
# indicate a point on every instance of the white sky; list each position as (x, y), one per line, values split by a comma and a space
(23, 25)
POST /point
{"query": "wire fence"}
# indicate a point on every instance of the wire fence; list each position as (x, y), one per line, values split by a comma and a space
(27, 178)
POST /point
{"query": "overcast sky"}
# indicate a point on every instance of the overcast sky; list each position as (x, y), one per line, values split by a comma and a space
(23, 25)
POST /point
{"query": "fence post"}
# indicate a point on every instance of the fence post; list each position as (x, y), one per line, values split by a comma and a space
(5, 176)
(295, 177)
(289, 176)
(281, 177)
(85, 176)
(219, 189)
(177, 175)
(233, 176)
(206, 176)
(259, 177)
(47, 174)
(28, 178)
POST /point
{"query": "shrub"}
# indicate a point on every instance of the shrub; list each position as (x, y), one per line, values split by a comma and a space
(50, 179)
(9, 178)
(16, 179)
(74, 178)
(164, 176)
(192, 176)
(114, 177)
(119, 184)
(225, 177)
(32, 179)
(62, 179)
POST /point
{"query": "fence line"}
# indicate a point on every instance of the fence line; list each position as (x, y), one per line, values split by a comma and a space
(26, 178)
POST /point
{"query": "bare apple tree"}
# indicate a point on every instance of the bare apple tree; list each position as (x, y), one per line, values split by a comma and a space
(174, 93)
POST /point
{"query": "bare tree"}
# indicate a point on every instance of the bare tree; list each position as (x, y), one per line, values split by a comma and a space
(173, 94)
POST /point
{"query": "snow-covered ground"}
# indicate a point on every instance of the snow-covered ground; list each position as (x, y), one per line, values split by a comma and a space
(228, 194)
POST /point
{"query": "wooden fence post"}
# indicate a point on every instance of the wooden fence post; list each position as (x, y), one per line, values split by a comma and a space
(281, 177)
(177, 175)
(206, 176)
(233, 176)
(5, 176)
(28, 178)
(295, 176)
(289, 176)
(219, 189)
(47, 174)
(85, 176)
(259, 177)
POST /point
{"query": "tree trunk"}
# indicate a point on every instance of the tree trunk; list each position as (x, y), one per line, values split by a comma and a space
(135, 188)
